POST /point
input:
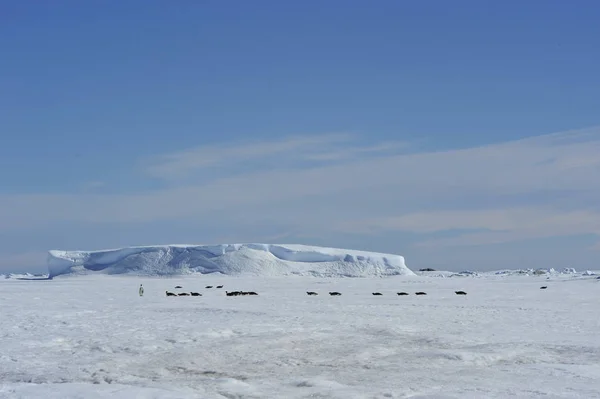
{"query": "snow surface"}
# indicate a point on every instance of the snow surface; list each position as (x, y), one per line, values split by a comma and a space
(94, 337)
(231, 259)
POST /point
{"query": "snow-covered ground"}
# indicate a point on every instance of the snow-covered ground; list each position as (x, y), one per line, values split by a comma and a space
(94, 337)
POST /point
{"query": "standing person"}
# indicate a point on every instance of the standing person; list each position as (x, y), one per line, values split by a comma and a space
(141, 290)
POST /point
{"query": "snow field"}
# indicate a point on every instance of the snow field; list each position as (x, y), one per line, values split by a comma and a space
(94, 337)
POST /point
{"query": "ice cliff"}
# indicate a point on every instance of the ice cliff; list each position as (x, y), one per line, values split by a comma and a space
(229, 259)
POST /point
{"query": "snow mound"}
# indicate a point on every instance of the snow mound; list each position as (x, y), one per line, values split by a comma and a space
(229, 259)
(23, 276)
(567, 271)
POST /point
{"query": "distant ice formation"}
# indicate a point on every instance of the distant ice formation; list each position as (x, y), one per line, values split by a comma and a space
(229, 259)
(23, 276)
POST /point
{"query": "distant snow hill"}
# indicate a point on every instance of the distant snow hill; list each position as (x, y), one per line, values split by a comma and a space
(23, 276)
(229, 259)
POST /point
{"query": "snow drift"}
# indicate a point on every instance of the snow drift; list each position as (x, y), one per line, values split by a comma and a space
(23, 276)
(229, 259)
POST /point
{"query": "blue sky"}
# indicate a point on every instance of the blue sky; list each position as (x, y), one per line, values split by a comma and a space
(462, 135)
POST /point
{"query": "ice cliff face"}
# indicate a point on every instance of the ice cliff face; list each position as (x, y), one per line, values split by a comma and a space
(229, 259)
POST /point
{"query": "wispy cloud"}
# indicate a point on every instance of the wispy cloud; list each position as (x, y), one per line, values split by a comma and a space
(182, 164)
(551, 183)
(491, 226)
(252, 155)
(345, 153)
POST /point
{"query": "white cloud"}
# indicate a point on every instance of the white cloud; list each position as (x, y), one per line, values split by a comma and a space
(492, 226)
(181, 164)
(552, 180)
(345, 153)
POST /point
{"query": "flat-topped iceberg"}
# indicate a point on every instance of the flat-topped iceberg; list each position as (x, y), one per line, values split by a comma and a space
(229, 259)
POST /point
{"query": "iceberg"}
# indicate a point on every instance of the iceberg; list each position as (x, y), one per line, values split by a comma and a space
(228, 259)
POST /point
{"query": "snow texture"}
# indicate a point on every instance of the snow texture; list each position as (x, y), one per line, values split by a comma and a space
(230, 259)
(93, 337)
